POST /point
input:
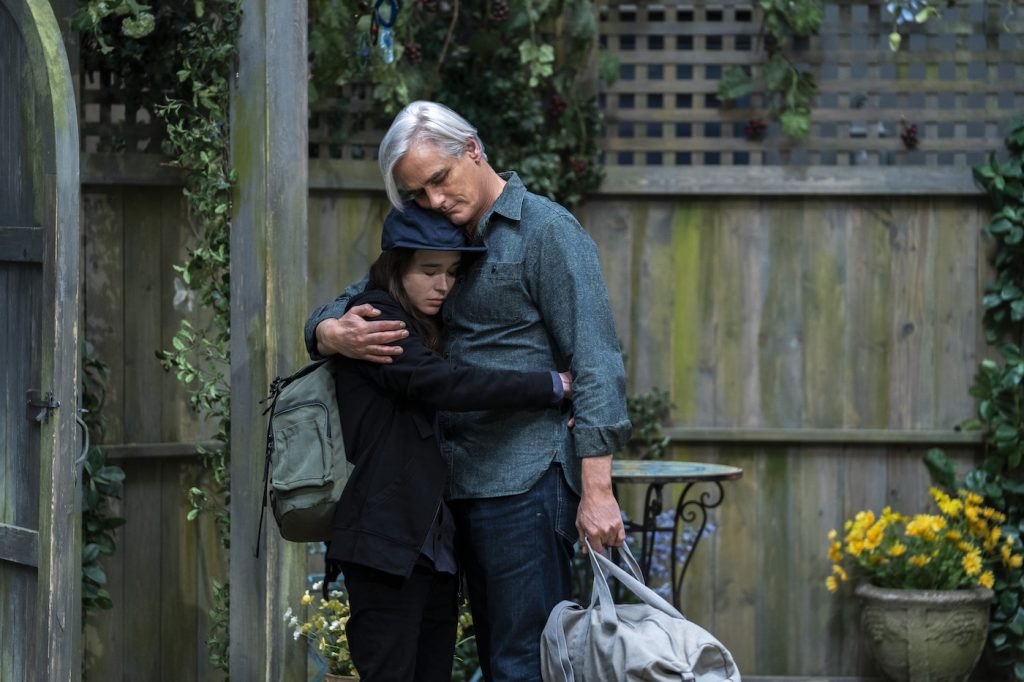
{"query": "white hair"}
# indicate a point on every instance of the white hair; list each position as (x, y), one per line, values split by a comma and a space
(428, 122)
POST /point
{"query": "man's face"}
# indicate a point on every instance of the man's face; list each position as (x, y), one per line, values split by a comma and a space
(452, 186)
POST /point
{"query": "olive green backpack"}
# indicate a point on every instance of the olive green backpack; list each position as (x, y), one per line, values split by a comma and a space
(306, 468)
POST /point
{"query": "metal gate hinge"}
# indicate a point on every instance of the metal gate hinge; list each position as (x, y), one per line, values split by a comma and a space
(38, 406)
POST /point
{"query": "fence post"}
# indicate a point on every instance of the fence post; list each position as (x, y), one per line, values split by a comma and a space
(269, 239)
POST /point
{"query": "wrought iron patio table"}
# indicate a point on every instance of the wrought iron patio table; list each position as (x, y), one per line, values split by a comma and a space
(703, 480)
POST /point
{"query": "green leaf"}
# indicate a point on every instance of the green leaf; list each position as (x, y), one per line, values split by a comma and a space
(894, 41)
(795, 123)
(941, 469)
(735, 83)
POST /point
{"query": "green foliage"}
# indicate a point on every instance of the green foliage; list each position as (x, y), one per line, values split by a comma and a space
(100, 485)
(135, 20)
(789, 91)
(515, 69)
(648, 411)
(999, 392)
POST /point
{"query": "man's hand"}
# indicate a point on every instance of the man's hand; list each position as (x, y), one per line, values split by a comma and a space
(566, 385)
(599, 518)
(355, 336)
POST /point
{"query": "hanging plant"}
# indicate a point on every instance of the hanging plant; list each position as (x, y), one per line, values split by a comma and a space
(787, 89)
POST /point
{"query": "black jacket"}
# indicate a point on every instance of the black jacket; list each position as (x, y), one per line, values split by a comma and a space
(387, 419)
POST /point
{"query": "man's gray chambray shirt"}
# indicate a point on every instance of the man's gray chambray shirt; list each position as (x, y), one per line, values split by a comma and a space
(535, 301)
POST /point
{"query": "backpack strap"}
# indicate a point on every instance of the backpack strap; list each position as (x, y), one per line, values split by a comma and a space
(275, 391)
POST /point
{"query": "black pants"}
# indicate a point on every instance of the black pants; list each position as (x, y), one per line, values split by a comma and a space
(401, 629)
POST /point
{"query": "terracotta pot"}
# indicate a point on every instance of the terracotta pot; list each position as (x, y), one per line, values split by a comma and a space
(925, 635)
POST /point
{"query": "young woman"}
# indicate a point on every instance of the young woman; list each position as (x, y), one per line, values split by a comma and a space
(393, 534)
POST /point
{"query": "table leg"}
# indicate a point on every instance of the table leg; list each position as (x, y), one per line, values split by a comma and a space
(693, 513)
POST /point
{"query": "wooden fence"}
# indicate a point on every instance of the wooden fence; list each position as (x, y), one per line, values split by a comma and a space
(822, 343)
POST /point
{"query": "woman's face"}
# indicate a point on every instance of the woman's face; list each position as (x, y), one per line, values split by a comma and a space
(428, 279)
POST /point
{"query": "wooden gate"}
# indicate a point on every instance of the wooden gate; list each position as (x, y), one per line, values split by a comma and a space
(40, 609)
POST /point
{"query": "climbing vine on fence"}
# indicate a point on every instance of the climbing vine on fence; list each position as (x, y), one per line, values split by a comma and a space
(519, 71)
(999, 390)
(101, 487)
(176, 62)
(788, 89)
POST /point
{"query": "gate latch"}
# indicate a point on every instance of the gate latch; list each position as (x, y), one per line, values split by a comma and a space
(38, 406)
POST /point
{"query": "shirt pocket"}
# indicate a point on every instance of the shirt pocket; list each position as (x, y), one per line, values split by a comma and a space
(493, 292)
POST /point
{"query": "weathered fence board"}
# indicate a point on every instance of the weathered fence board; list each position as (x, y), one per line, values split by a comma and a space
(160, 575)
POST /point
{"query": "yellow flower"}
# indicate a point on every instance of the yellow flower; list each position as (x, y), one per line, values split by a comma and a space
(1015, 561)
(987, 579)
(972, 499)
(919, 560)
(947, 505)
(897, 549)
(855, 547)
(835, 552)
(832, 535)
(307, 598)
(953, 535)
(831, 584)
(874, 536)
(965, 546)
(972, 563)
(1004, 551)
(838, 570)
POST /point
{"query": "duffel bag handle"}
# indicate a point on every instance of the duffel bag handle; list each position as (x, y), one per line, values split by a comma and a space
(604, 567)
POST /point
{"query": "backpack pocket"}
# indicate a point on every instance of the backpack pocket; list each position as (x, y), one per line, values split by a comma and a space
(303, 430)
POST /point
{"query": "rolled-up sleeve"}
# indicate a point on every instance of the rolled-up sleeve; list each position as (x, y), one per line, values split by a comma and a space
(573, 300)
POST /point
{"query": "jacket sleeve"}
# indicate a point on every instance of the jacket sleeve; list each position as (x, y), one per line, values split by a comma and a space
(334, 309)
(570, 293)
(421, 374)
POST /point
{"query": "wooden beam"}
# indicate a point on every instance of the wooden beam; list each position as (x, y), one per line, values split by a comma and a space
(129, 169)
(788, 181)
(865, 437)
(124, 451)
(269, 245)
(364, 175)
(20, 545)
(22, 244)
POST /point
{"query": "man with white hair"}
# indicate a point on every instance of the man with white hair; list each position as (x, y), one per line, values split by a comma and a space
(522, 485)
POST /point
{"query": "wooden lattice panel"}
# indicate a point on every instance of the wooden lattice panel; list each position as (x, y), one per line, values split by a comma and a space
(958, 78)
(106, 123)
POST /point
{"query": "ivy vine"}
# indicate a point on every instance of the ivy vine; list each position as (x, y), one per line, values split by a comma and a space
(788, 89)
(176, 62)
(515, 69)
(999, 390)
(101, 487)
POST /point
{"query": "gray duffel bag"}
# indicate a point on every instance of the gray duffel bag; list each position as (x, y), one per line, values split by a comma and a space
(650, 641)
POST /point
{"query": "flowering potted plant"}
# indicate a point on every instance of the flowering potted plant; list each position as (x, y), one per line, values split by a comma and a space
(325, 631)
(926, 583)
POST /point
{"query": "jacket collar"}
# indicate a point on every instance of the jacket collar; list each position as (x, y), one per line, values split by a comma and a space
(509, 203)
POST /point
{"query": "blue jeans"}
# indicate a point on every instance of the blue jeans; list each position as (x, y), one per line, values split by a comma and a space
(517, 552)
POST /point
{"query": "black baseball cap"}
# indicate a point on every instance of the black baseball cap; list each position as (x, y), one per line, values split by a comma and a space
(414, 227)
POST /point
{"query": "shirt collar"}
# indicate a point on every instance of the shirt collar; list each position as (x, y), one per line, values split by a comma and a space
(509, 203)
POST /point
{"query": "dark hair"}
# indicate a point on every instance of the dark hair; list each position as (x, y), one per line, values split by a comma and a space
(386, 273)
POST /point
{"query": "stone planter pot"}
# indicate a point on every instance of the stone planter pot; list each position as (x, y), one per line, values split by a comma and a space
(331, 677)
(925, 635)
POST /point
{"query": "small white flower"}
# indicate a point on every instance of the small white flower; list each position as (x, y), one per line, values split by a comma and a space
(335, 625)
(296, 635)
(318, 584)
(288, 613)
(293, 622)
